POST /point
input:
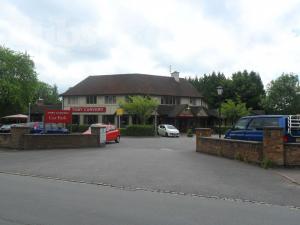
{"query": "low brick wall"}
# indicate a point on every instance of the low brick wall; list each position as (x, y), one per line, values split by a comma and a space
(5, 140)
(249, 151)
(52, 141)
(292, 154)
(20, 139)
(272, 148)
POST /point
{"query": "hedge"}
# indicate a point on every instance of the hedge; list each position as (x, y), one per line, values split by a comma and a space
(138, 130)
(76, 128)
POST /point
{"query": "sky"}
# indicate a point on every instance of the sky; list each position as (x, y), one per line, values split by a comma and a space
(71, 39)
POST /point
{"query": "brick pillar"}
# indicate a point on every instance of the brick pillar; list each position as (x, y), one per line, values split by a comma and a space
(201, 132)
(96, 131)
(17, 136)
(273, 148)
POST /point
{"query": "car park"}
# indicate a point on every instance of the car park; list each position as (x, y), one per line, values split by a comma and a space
(112, 133)
(250, 128)
(167, 130)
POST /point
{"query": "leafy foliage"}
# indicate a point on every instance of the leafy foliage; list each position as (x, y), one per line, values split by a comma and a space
(282, 95)
(18, 81)
(47, 92)
(233, 111)
(143, 107)
(243, 86)
(138, 130)
(207, 86)
(248, 87)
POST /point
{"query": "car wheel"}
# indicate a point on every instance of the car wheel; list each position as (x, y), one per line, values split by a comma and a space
(166, 134)
(118, 139)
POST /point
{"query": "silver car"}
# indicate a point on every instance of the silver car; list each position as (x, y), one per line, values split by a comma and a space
(167, 130)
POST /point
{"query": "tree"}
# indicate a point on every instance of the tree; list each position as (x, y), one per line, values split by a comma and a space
(234, 110)
(18, 80)
(143, 107)
(47, 92)
(282, 95)
(248, 87)
(207, 86)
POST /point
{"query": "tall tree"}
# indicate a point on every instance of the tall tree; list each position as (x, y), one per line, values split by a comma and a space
(207, 86)
(18, 80)
(282, 95)
(47, 92)
(248, 87)
(143, 107)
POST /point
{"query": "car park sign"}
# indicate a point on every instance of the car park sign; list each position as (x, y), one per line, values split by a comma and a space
(58, 116)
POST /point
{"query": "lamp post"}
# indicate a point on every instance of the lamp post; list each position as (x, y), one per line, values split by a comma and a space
(220, 92)
(29, 112)
(155, 122)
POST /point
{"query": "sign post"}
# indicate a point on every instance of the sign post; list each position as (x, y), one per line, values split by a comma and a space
(119, 113)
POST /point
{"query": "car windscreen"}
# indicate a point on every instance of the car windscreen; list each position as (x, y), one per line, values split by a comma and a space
(241, 124)
(170, 127)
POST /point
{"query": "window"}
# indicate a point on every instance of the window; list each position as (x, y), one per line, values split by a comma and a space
(192, 101)
(110, 99)
(91, 99)
(169, 100)
(73, 100)
(260, 123)
(241, 124)
(90, 119)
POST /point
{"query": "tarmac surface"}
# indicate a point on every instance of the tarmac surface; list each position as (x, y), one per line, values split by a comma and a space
(158, 164)
(43, 201)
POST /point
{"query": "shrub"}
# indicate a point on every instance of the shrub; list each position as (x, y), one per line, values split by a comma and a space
(266, 163)
(223, 129)
(189, 133)
(76, 128)
(139, 130)
(123, 131)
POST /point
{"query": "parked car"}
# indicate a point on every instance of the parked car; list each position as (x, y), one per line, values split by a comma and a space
(112, 133)
(50, 128)
(5, 128)
(251, 127)
(167, 130)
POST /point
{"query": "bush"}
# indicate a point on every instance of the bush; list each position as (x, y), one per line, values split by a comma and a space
(223, 129)
(267, 163)
(123, 131)
(138, 130)
(190, 133)
(76, 128)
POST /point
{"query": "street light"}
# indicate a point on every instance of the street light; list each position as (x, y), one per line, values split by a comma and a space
(28, 120)
(220, 92)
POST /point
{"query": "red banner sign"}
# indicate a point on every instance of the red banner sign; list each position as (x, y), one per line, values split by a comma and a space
(88, 109)
(58, 116)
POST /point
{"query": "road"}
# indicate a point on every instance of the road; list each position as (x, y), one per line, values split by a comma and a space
(39, 201)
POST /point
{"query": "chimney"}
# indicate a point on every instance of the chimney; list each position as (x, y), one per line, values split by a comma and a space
(175, 75)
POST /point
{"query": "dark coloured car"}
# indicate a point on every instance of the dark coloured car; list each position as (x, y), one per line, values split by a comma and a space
(250, 128)
(50, 128)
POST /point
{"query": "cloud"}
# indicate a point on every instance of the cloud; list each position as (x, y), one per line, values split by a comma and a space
(69, 40)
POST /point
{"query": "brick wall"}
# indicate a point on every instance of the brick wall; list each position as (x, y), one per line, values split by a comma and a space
(292, 154)
(249, 151)
(272, 148)
(20, 138)
(5, 140)
(52, 141)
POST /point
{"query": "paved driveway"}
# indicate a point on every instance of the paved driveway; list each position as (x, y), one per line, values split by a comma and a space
(168, 164)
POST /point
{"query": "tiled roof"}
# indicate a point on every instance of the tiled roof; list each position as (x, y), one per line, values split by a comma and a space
(130, 84)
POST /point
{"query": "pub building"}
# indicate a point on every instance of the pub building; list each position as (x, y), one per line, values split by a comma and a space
(96, 98)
